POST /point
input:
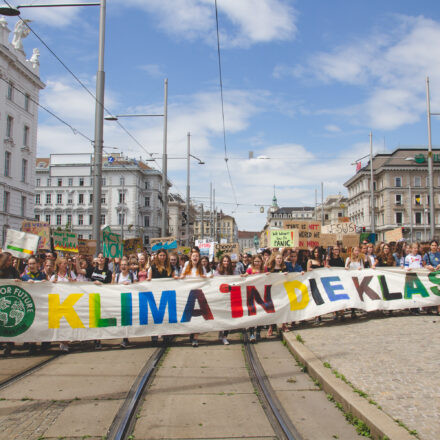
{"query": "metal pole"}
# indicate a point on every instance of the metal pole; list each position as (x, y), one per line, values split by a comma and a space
(210, 209)
(123, 208)
(373, 228)
(410, 214)
(99, 132)
(165, 164)
(316, 204)
(188, 148)
(430, 164)
(322, 203)
(214, 235)
(425, 219)
(203, 225)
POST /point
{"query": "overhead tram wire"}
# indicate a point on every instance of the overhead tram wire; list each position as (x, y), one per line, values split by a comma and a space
(75, 131)
(223, 107)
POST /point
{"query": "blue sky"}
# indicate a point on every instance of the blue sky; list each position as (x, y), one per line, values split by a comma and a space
(304, 83)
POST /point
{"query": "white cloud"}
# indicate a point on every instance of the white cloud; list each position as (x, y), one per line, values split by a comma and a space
(154, 70)
(390, 67)
(332, 128)
(252, 22)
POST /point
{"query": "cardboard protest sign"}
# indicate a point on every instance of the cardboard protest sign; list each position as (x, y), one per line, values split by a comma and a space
(41, 229)
(350, 240)
(163, 243)
(133, 246)
(283, 238)
(327, 240)
(86, 247)
(340, 229)
(183, 250)
(309, 232)
(65, 241)
(21, 244)
(231, 249)
(111, 244)
(393, 235)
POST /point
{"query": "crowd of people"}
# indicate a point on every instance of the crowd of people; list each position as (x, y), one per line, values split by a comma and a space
(144, 267)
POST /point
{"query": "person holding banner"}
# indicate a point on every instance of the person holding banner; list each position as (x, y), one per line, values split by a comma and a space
(161, 267)
(142, 274)
(385, 257)
(255, 268)
(193, 269)
(354, 261)
(48, 269)
(316, 260)
(32, 274)
(6, 269)
(207, 266)
(334, 258)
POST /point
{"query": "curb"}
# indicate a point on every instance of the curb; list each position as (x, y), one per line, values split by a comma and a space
(381, 425)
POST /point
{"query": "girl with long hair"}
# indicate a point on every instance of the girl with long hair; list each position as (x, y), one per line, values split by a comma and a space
(161, 268)
(385, 257)
(207, 266)
(142, 274)
(316, 260)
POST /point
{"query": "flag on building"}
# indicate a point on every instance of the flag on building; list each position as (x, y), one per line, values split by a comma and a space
(358, 166)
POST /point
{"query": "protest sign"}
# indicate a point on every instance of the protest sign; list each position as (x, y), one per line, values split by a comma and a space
(41, 229)
(350, 240)
(86, 247)
(163, 243)
(133, 246)
(340, 229)
(231, 249)
(21, 244)
(309, 232)
(283, 238)
(111, 244)
(183, 250)
(207, 249)
(393, 235)
(327, 240)
(82, 311)
(65, 241)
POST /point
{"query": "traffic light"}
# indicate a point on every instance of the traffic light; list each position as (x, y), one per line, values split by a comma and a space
(184, 218)
(403, 230)
(363, 228)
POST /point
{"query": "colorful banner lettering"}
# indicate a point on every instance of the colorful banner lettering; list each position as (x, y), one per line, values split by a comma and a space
(111, 244)
(41, 229)
(65, 241)
(84, 311)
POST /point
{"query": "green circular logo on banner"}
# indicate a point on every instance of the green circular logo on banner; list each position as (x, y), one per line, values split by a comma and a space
(17, 310)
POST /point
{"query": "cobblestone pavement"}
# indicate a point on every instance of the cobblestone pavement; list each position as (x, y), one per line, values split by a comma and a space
(396, 360)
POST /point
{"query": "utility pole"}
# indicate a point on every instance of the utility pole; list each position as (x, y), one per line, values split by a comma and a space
(165, 164)
(410, 212)
(211, 226)
(373, 229)
(203, 224)
(188, 152)
(430, 165)
(316, 204)
(123, 208)
(322, 203)
(214, 235)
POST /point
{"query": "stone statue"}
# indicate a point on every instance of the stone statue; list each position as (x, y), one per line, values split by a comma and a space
(20, 31)
(3, 22)
(35, 58)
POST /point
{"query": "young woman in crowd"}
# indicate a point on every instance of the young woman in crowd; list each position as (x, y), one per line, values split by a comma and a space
(256, 267)
(33, 274)
(193, 269)
(174, 261)
(48, 268)
(399, 253)
(334, 258)
(225, 268)
(385, 257)
(315, 262)
(142, 274)
(182, 261)
(207, 266)
(161, 268)
(354, 261)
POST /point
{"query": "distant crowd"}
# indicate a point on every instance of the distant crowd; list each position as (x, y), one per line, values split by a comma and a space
(161, 264)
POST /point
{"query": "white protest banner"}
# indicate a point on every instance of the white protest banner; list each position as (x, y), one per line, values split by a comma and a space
(84, 311)
(21, 244)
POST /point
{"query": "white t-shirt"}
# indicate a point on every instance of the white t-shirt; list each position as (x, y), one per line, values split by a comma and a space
(63, 279)
(413, 261)
(121, 278)
(349, 264)
(193, 273)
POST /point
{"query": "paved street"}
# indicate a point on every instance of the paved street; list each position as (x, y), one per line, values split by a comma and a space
(393, 359)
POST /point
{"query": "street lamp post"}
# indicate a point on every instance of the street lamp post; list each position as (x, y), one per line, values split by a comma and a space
(99, 107)
(430, 163)
(164, 225)
(373, 228)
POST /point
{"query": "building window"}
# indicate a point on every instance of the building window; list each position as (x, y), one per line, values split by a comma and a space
(70, 201)
(48, 199)
(104, 181)
(26, 132)
(90, 219)
(10, 94)
(70, 181)
(147, 201)
(103, 199)
(417, 181)
(398, 199)
(48, 219)
(27, 100)
(7, 163)
(90, 198)
(122, 181)
(80, 199)
(418, 218)
(38, 182)
(80, 236)
(37, 217)
(374, 186)
(59, 199)
(418, 200)
(49, 182)
(69, 219)
(399, 218)
(81, 181)
(6, 196)
(24, 165)
(102, 219)
(121, 219)
(37, 199)
(80, 219)
(23, 206)
(58, 219)
(146, 221)
(147, 185)
(121, 197)
(9, 126)
(60, 182)
(398, 182)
